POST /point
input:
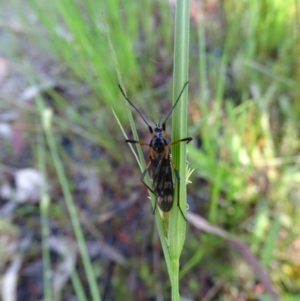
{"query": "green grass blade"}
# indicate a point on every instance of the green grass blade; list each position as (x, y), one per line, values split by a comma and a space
(177, 225)
(44, 210)
(46, 116)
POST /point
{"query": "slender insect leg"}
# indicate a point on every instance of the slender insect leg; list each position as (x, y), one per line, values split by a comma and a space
(136, 141)
(155, 206)
(145, 171)
(187, 139)
(148, 165)
(143, 176)
(142, 180)
(178, 188)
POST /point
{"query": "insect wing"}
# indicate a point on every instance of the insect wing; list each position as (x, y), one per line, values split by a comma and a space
(162, 182)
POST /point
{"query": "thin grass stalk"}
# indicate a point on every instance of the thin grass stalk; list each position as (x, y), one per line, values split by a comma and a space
(177, 224)
(44, 209)
(46, 116)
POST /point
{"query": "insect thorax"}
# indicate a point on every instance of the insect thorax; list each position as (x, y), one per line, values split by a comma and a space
(158, 142)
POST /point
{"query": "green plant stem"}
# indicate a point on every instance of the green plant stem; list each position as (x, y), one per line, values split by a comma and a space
(177, 225)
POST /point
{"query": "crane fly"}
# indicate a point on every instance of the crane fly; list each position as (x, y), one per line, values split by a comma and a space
(160, 164)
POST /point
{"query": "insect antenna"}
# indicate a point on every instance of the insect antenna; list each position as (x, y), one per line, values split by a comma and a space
(149, 126)
(174, 105)
(160, 120)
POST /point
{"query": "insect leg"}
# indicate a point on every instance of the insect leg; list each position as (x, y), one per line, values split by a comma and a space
(142, 180)
(187, 139)
(148, 165)
(178, 187)
(143, 176)
(136, 141)
(145, 171)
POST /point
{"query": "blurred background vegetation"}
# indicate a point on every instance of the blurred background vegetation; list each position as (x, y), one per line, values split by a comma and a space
(244, 113)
